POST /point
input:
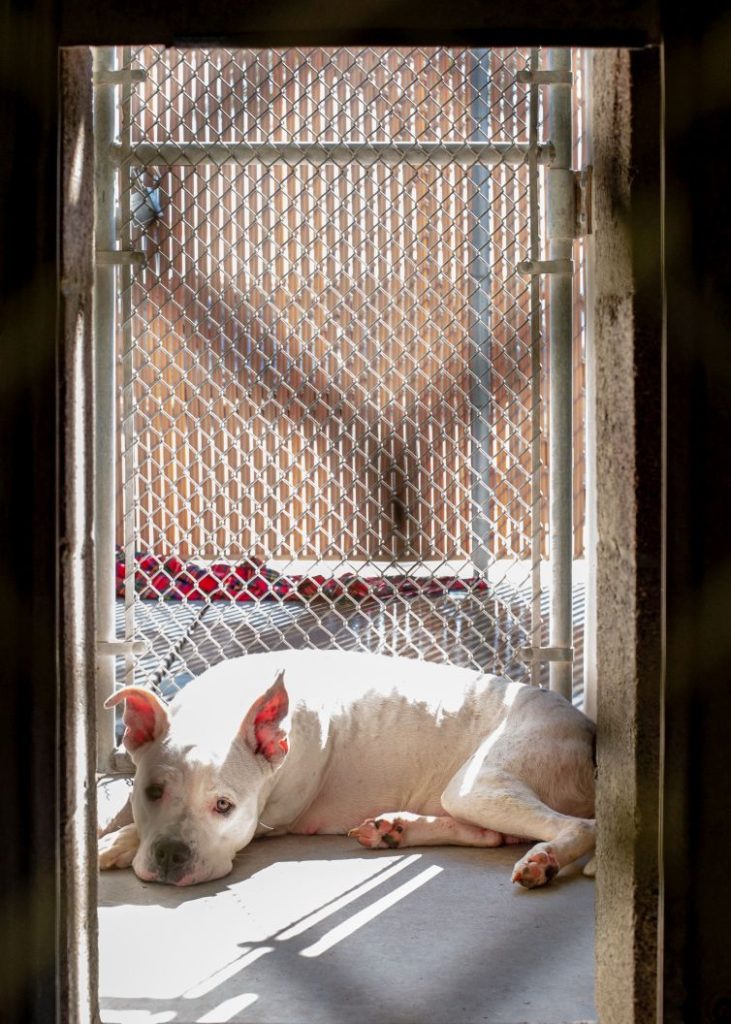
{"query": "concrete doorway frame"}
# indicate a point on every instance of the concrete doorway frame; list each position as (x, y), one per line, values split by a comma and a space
(624, 641)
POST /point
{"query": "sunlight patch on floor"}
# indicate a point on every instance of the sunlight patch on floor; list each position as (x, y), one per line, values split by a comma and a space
(342, 931)
(237, 918)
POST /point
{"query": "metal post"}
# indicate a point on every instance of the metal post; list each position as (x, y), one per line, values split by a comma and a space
(76, 733)
(480, 368)
(105, 435)
(365, 154)
(590, 535)
(535, 345)
(128, 381)
(560, 217)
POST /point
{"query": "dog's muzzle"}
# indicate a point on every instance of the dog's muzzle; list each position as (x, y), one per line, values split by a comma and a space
(171, 859)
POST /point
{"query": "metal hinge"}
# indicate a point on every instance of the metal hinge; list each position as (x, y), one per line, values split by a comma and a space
(583, 181)
(570, 217)
(119, 258)
(125, 76)
(120, 648)
(530, 267)
(549, 77)
(547, 653)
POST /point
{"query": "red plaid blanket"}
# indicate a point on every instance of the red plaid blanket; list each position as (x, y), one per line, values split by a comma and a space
(252, 580)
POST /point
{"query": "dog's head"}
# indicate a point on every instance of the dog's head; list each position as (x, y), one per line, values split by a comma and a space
(196, 800)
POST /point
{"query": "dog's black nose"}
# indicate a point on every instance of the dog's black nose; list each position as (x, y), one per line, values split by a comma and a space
(171, 857)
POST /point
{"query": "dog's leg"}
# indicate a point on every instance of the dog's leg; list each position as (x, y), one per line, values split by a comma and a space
(590, 868)
(398, 829)
(506, 804)
(113, 813)
(117, 849)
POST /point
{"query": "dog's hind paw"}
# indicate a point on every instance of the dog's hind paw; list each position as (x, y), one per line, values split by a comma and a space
(117, 849)
(590, 868)
(384, 833)
(538, 867)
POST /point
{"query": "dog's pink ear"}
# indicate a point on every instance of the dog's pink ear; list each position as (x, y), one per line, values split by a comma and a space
(261, 728)
(145, 716)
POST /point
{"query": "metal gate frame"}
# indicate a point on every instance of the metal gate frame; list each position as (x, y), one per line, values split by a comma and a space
(115, 259)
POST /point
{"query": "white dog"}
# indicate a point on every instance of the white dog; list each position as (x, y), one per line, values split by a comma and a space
(312, 742)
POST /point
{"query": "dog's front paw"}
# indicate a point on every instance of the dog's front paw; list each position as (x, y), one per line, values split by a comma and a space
(117, 849)
(538, 867)
(386, 832)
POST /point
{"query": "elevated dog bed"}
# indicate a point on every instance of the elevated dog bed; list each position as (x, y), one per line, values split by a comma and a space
(252, 580)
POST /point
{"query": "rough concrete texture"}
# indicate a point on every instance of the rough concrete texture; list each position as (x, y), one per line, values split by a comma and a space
(75, 614)
(319, 931)
(628, 689)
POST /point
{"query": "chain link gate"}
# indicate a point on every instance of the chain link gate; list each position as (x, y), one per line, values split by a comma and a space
(320, 320)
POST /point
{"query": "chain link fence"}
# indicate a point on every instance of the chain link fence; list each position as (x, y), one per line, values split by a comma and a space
(325, 363)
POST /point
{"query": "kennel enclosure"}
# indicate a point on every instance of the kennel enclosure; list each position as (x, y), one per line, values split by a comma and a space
(338, 313)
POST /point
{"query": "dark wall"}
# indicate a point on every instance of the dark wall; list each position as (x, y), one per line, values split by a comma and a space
(698, 693)
(394, 22)
(28, 780)
(698, 95)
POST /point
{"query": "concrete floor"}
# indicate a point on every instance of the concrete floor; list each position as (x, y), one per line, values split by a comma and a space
(318, 931)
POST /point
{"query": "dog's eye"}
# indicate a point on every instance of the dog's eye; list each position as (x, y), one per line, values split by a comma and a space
(223, 806)
(153, 792)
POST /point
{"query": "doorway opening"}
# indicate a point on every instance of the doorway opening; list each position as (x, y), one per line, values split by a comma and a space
(339, 305)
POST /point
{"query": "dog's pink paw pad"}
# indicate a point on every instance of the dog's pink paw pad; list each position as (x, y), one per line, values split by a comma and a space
(537, 868)
(379, 833)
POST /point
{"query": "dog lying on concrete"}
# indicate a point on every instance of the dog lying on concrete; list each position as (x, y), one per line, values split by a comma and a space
(325, 742)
